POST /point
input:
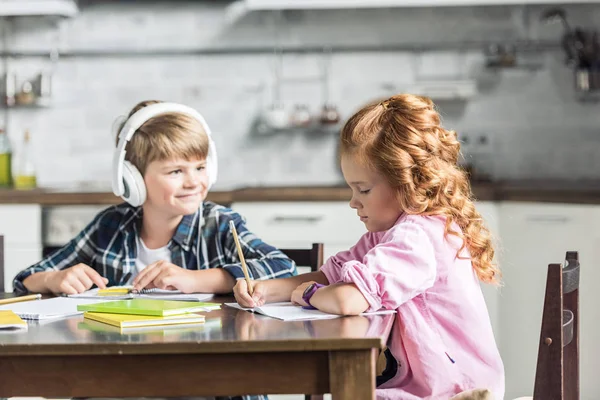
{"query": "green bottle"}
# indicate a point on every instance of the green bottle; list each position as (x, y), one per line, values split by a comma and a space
(5, 160)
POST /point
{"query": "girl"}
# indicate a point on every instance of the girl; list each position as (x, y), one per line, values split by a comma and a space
(424, 253)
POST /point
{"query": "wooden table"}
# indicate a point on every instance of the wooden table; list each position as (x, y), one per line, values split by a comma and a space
(233, 353)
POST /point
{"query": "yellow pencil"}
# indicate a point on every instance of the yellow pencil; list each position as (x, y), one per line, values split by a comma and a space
(21, 298)
(241, 255)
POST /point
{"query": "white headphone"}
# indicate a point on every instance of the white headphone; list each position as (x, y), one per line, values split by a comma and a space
(127, 181)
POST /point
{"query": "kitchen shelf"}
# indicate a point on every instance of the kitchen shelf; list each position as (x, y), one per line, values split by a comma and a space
(519, 45)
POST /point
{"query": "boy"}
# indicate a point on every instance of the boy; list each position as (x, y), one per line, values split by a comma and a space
(165, 236)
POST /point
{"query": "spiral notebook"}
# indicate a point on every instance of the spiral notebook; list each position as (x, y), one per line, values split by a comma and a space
(125, 293)
(56, 307)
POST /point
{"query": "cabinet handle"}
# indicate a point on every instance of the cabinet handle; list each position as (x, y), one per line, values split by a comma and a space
(305, 219)
(548, 219)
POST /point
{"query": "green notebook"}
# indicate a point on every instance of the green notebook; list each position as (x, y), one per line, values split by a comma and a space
(159, 308)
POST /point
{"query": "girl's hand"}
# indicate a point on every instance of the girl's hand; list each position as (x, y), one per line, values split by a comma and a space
(165, 275)
(243, 297)
(299, 291)
(73, 280)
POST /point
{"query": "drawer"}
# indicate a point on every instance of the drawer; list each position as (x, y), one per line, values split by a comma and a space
(302, 222)
(21, 223)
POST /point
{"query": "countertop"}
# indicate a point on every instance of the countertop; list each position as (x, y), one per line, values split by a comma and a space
(581, 192)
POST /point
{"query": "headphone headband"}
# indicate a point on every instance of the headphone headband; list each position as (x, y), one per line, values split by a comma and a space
(134, 122)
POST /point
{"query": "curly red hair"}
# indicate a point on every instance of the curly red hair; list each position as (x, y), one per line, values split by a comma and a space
(403, 139)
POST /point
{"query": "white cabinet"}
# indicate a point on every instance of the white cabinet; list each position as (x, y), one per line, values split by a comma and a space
(489, 212)
(533, 236)
(21, 226)
(298, 224)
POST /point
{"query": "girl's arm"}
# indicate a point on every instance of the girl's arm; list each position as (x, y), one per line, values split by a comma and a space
(339, 298)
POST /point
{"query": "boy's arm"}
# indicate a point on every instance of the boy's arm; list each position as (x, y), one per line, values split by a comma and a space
(80, 250)
(263, 261)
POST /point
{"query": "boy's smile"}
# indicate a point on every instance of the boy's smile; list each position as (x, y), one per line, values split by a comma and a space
(176, 187)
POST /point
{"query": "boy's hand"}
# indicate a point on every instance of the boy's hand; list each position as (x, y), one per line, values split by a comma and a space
(298, 292)
(243, 297)
(165, 275)
(76, 279)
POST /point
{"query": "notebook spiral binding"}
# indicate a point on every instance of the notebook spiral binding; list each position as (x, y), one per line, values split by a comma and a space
(29, 316)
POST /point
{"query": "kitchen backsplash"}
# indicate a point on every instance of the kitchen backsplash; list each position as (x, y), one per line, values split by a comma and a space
(533, 127)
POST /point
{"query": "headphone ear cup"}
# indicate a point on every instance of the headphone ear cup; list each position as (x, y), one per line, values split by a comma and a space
(135, 188)
(211, 163)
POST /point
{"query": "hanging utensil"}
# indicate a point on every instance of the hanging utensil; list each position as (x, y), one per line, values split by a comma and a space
(329, 113)
(569, 41)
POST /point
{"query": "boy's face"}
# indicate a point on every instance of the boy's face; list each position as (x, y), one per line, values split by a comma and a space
(176, 187)
(373, 198)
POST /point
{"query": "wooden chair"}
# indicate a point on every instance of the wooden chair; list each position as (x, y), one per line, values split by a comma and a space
(557, 371)
(312, 257)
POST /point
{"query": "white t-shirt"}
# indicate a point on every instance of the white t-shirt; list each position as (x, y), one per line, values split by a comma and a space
(146, 256)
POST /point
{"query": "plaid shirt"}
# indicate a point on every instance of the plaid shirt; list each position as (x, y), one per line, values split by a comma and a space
(202, 241)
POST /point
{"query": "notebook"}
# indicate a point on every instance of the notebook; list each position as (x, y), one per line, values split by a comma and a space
(56, 307)
(133, 321)
(149, 307)
(123, 293)
(10, 320)
(287, 311)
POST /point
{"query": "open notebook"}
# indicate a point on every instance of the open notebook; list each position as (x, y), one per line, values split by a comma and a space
(122, 293)
(56, 307)
(287, 311)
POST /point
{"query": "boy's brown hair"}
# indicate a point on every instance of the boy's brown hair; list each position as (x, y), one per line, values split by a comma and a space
(164, 137)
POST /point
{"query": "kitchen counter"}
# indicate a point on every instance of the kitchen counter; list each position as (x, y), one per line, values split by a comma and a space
(587, 192)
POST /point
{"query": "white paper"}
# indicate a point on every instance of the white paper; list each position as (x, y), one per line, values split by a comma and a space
(287, 311)
(56, 307)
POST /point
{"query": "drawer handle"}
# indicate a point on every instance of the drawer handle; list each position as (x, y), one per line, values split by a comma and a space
(306, 219)
(548, 219)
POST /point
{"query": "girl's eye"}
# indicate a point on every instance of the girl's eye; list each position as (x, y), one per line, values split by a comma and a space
(365, 191)
(175, 172)
(200, 168)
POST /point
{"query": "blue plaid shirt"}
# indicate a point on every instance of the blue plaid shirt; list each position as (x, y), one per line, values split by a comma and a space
(202, 241)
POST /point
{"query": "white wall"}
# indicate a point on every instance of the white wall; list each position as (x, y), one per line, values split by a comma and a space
(531, 117)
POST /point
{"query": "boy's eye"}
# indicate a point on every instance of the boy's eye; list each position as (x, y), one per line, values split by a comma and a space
(365, 191)
(175, 172)
(201, 167)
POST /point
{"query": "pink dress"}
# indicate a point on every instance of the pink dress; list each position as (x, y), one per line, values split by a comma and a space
(442, 338)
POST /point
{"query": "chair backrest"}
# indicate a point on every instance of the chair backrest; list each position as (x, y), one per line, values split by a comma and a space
(2, 288)
(557, 372)
(312, 257)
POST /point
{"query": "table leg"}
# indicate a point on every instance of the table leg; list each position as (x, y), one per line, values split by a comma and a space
(352, 374)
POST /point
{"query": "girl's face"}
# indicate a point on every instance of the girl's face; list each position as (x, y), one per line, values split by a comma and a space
(374, 200)
(176, 187)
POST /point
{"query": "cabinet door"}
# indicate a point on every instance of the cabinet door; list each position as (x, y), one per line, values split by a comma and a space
(533, 236)
(21, 226)
(491, 293)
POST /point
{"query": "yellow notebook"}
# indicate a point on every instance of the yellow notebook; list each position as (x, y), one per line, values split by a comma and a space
(130, 320)
(10, 320)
